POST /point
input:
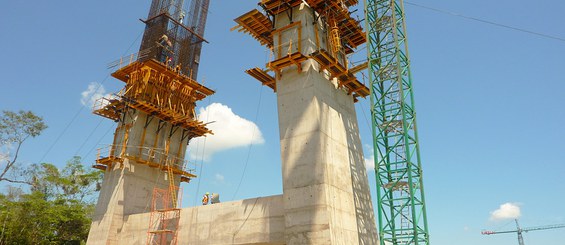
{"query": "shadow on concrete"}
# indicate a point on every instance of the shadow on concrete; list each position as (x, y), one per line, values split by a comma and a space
(366, 223)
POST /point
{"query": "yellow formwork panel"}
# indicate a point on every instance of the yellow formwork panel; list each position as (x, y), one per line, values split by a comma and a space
(257, 25)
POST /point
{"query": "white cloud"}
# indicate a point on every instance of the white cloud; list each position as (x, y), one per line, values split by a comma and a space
(93, 92)
(219, 178)
(506, 211)
(230, 131)
(370, 161)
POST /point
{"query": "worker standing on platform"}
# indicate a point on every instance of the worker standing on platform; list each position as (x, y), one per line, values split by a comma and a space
(166, 53)
(205, 198)
(215, 198)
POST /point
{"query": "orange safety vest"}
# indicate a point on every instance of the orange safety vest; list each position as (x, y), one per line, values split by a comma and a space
(205, 200)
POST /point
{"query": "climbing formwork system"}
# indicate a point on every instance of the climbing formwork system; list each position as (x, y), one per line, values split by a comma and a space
(400, 190)
(341, 35)
(155, 110)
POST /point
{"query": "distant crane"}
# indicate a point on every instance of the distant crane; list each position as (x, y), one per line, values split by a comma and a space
(520, 230)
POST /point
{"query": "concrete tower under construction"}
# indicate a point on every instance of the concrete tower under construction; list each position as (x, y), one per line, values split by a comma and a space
(325, 197)
(155, 115)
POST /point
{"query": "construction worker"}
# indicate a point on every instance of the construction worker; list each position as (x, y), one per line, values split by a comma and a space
(205, 198)
(215, 198)
(166, 46)
(165, 42)
(181, 16)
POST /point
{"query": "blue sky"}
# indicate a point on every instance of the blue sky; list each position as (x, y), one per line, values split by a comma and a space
(489, 99)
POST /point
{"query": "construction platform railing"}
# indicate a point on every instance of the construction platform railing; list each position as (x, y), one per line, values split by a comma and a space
(127, 60)
(146, 155)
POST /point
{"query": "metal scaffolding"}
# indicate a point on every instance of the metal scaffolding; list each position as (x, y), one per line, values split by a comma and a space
(400, 190)
(344, 33)
(175, 37)
(165, 217)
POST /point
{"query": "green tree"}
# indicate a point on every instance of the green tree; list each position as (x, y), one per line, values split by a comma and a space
(57, 209)
(15, 129)
(74, 182)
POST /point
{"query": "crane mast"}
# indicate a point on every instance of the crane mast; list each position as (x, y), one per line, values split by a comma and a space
(400, 190)
(520, 237)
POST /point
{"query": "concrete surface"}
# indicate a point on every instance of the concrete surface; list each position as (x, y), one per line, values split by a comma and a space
(251, 221)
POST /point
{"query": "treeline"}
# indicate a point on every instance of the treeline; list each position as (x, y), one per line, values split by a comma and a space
(50, 205)
(56, 209)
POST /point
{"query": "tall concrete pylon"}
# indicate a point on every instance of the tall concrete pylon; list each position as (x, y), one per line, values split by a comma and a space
(326, 195)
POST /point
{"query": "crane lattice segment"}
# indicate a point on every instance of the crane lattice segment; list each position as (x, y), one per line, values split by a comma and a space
(520, 230)
(400, 190)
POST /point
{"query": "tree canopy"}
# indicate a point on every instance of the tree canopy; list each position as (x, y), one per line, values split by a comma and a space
(15, 129)
(56, 210)
(54, 206)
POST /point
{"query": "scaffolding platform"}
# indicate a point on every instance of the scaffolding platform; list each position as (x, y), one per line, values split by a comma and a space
(345, 78)
(100, 167)
(151, 157)
(176, 170)
(265, 78)
(157, 90)
(257, 25)
(352, 33)
(274, 7)
(107, 161)
(318, 4)
(114, 109)
(110, 108)
(359, 68)
(295, 58)
(153, 69)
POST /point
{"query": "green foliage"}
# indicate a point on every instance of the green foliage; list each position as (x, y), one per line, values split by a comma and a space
(74, 182)
(15, 128)
(32, 219)
(55, 211)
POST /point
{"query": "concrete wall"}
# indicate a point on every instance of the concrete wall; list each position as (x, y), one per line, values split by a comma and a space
(251, 221)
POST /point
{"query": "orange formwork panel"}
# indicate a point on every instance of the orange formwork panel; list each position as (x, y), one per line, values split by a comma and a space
(263, 77)
(329, 63)
(275, 7)
(158, 90)
(153, 69)
(345, 77)
(352, 32)
(295, 58)
(257, 25)
(334, 3)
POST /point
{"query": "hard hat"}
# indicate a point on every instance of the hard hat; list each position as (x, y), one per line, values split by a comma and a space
(207, 193)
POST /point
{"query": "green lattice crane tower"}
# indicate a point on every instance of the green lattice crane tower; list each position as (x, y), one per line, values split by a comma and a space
(400, 190)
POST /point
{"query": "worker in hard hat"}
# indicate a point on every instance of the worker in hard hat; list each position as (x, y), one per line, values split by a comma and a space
(205, 198)
(166, 52)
